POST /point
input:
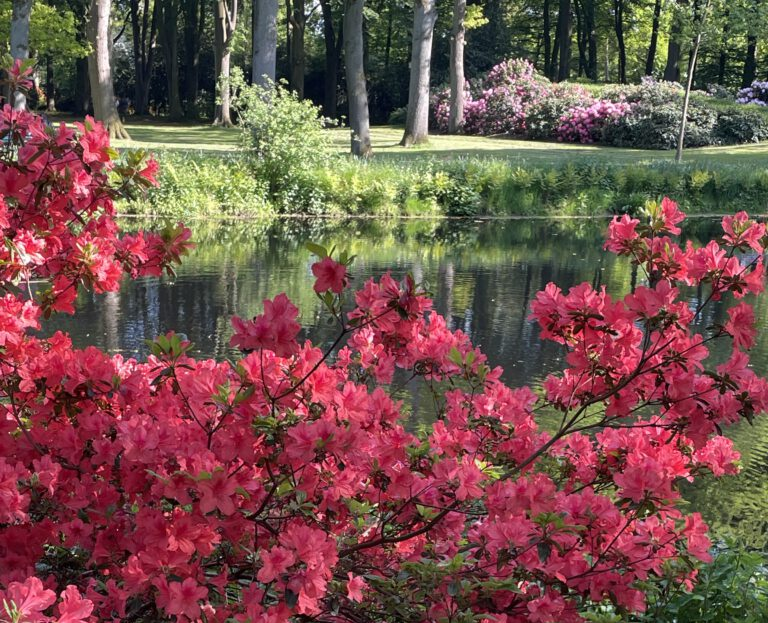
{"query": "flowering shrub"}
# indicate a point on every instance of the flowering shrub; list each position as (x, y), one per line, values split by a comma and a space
(499, 105)
(756, 94)
(285, 486)
(544, 114)
(585, 124)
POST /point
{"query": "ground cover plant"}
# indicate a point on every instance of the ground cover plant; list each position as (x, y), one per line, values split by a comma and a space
(286, 485)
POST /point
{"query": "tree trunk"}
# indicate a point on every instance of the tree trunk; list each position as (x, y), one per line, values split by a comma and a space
(331, 61)
(100, 70)
(581, 38)
(650, 61)
(750, 62)
(687, 99)
(357, 91)
(264, 41)
(547, 28)
(564, 35)
(170, 44)
(456, 119)
(83, 87)
(225, 23)
(417, 117)
(722, 62)
(144, 39)
(298, 54)
(672, 69)
(20, 14)
(194, 15)
(618, 23)
(50, 96)
(590, 27)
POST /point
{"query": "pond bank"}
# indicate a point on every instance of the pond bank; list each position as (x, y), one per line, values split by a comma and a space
(228, 185)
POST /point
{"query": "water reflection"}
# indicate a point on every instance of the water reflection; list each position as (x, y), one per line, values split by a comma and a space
(482, 275)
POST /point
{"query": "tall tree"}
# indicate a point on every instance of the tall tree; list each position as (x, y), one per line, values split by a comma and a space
(357, 90)
(619, 8)
(225, 24)
(564, 36)
(750, 62)
(20, 16)
(332, 42)
(417, 116)
(650, 60)
(170, 44)
(672, 68)
(590, 25)
(298, 55)
(547, 33)
(264, 41)
(100, 69)
(456, 118)
(194, 26)
(722, 61)
(144, 30)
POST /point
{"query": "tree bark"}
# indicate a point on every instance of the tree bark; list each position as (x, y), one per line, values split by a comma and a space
(20, 14)
(357, 91)
(590, 27)
(144, 39)
(547, 28)
(722, 62)
(581, 38)
(50, 96)
(618, 23)
(100, 69)
(264, 41)
(456, 118)
(672, 69)
(417, 117)
(650, 61)
(564, 35)
(170, 19)
(298, 54)
(194, 22)
(750, 62)
(331, 61)
(83, 86)
(225, 23)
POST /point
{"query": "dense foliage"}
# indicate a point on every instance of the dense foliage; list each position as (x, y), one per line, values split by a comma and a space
(523, 103)
(285, 484)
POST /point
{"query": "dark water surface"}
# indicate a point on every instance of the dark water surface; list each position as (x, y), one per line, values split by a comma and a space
(483, 276)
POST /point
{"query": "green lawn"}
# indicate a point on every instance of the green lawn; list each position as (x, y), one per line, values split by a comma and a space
(168, 136)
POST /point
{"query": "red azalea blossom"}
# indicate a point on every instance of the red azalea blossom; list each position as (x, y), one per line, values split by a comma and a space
(330, 275)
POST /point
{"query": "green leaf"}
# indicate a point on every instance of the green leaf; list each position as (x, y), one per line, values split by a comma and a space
(319, 250)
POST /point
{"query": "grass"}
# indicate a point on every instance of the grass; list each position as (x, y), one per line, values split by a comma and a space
(160, 135)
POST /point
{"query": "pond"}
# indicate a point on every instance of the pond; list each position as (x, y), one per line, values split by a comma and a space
(482, 274)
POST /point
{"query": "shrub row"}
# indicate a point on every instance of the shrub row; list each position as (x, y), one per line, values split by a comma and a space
(514, 99)
(211, 186)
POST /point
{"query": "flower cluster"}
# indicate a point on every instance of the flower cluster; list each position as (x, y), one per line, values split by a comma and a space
(583, 124)
(756, 93)
(500, 104)
(286, 485)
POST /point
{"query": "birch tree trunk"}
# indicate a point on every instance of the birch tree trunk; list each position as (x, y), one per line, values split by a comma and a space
(456, 118)
(357, 91)
(100, 70)
(264, 41)
(417, 117)
(20, 14)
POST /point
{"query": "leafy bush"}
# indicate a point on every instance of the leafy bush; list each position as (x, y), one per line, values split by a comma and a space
(545, 113)
(654, 126)
(756, 94)
(650, 92)
(585, 124)
(736, 127)
(283, 136)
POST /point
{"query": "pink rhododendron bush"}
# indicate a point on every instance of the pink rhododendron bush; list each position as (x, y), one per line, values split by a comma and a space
(287, 485)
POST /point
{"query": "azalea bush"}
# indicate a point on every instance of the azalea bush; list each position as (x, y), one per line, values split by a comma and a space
(584, 124)
(289, 484)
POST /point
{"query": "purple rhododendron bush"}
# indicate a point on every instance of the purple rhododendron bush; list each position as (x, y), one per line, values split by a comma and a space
(287, 485)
